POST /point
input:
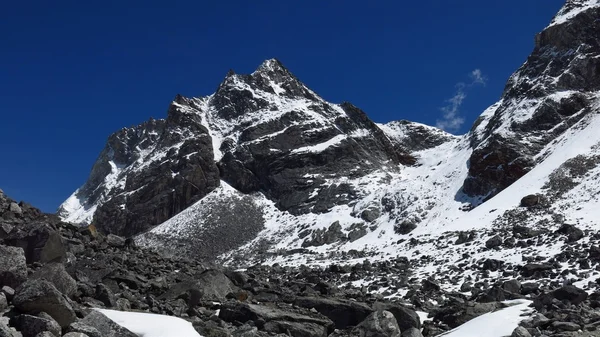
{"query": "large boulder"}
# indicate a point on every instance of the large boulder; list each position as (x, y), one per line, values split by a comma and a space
(13, 269)
(342, 313)
(407, 318)
(35, 296)
(40, 242)
(274, 318)
(106, 326)
(211, 285)
(31, 326)
(57, 275)
(378, 324)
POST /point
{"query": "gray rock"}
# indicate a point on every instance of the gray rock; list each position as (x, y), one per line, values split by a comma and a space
(405, 317)
(296, 329)
(13, 268)
(35, 296)
(115, 241)
(105, 326)
(412, 332)
(57, 275)
(566, 326)
(14, 207)
(513, 286)
(45, 334)
(211, 285)
(378, 324)
(75, 334)
(342, 313)
(3, 302)
(493, 242)
(31, 326)
(370, 214)
(5, 331)
(520, 332)
(105, 295)
(9, 292)
(80, 327)
(40, 242)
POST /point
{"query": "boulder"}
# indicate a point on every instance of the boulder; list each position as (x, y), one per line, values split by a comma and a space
(13, 268)
(35, 296)
(407, 318)
(493, 242)
(260, 314)
(40, 242)
(115, 240)
(530, 200)
(378, 324)
(105, 325)
(75, 334)
(342, 313)
(211, 285)
(412, 332)
(520, 332)
(80, 327)
(31, 326)
(57, 275)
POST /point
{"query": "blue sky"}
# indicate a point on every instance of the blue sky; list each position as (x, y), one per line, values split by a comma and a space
(72, 72)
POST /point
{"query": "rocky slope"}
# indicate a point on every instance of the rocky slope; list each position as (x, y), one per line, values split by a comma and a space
(272, 173)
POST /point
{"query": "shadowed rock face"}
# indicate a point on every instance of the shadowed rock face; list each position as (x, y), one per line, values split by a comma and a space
(148, 173)
(552, 90)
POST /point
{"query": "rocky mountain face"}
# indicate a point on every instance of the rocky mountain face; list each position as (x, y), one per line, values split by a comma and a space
(264, 171)
(550, 93)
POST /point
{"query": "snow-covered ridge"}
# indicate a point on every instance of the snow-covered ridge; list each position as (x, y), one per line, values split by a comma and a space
(573, 8)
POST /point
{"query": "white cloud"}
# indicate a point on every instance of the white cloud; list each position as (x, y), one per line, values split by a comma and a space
(477, 77)
(452, 118)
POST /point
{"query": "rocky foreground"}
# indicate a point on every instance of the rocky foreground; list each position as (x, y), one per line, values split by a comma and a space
(53, 274)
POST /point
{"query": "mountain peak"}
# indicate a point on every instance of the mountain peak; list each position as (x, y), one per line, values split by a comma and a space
(271, 65)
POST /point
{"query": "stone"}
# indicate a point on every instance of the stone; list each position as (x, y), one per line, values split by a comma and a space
(8, 292)
(411, 332)
(13, 268)
(211, 285)
(342, 313)
(14, 207)
(512, 286)
(405, 317)
(565, 326)
(40, 242)
(5, 331)
(105, 295)
(57, 275)
(532, 269)
(493, 242)
(80, 327)
(75, 334)
(530, 200)
(520, 332)
(3, 302)
(105, 325)
(115, 240)
(378, 324)
(35, 296)
(31, 326)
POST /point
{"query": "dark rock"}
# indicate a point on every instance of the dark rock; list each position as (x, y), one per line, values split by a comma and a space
(532, 269)
(115, 240)
(520, 332)
(58, 276)
(411, 332)
(105, 295)
(565, 326)
(513, 286)
(35, 296)
(570, 294)
(458, 313)
(378, 324)
(405, 227)
(211, 285)
(493, 242)
(13, 269)
(9, 292)
(530, 200)
(40, 242)
(75, 334)
(105, 326)
(3, 302)
(295, 329)
(405, 317)
(342, 313)
(31, 326)
(324, 237)
(243, 312)
(573, 233)
(370, 214)
(80, 327)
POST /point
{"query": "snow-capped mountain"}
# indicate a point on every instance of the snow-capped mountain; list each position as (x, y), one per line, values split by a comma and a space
(264, 170)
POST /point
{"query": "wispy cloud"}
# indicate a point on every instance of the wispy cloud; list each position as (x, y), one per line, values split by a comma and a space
(452, 118)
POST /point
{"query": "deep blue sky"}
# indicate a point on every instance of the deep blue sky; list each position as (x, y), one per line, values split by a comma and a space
(72, 72)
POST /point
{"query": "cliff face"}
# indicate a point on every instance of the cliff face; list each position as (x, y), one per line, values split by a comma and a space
(549, 93)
